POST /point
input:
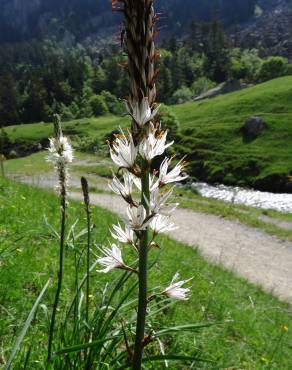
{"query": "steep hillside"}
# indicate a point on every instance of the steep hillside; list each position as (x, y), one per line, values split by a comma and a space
(20, 19)
(213, 140)
(211, 136)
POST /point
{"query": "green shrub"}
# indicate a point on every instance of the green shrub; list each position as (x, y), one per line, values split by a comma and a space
(272, 68)
(245, 64)
(98, 105)
(182, 95)
(113, 104)
(66, 113)
(201, 85)
(86, 144)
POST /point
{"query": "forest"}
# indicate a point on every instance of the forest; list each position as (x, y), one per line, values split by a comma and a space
(38, 78)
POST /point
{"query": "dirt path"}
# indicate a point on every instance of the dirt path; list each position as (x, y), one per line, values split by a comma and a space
(260, 258)
(251, 253)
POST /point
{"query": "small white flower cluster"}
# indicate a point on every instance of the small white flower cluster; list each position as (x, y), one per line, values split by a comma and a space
(60, 155)
(60, 151)
(128, 153)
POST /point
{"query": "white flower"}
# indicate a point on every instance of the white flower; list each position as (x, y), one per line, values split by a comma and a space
(112, 259)
(123, 236)
(158, 202)
(124, 152)
(141, 112)
(161, 224)
(136, 218)
(153, 145)
(60, 151)
(123, 189)
(175, 290)
(173, 176)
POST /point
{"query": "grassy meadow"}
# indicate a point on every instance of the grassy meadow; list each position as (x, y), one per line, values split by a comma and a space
(210, 135)
(252, 329)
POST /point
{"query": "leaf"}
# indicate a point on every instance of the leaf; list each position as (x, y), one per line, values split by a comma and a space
(80, 347)
(49, 226)
(25, 327)
(180, 328)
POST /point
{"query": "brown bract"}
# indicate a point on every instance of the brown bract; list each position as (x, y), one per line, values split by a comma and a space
(140, 22)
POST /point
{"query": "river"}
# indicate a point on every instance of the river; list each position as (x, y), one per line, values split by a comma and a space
(248, 197)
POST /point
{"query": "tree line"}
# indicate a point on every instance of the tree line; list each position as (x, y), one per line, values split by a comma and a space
(39, 78)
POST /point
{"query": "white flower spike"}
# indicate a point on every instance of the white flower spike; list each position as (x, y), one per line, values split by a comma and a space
(123, 235)
(123, 152)
(175, 290)
(60, 151)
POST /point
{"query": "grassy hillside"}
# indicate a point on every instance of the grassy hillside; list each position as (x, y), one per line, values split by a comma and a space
(215, 145)
(210, 136)
(251, 331)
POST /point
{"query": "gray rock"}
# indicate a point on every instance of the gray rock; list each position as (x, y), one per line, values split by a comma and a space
(253, 127)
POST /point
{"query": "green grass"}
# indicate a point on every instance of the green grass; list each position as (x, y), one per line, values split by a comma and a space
(211, 136)
(252, 330)
(36, 132)
(34, 164)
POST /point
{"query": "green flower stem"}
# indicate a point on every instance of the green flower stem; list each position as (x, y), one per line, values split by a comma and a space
(142, 298)
(60, 272)
(85, 190)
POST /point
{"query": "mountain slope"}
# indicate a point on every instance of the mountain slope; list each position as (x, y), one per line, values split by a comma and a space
(270, 32)
(20, 19)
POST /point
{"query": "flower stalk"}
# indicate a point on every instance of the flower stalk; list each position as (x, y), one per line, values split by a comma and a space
(133, 153)
(84, 185)
(143, 271)
(60, 154)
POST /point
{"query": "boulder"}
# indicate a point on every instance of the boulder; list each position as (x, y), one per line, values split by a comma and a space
(253, 127)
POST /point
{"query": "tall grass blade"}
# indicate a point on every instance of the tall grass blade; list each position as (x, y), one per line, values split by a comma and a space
(80, 347)
(25, 327)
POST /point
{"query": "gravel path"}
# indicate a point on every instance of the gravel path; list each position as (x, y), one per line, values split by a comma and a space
(251, 253)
